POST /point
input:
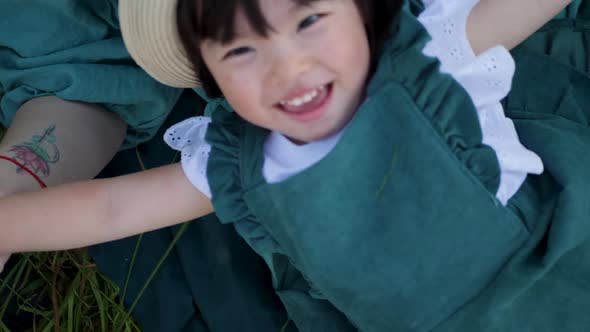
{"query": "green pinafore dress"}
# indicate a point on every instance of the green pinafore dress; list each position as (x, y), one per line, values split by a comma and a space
(398, 228)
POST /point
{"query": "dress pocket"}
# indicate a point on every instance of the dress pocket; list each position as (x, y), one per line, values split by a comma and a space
(392, 227)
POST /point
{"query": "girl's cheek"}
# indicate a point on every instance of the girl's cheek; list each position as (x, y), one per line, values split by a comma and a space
(240, 83)
(238, 87)
(234, 74)
(228, 78)
(228, 81)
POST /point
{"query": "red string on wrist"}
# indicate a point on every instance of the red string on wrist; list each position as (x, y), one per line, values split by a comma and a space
(26, 169)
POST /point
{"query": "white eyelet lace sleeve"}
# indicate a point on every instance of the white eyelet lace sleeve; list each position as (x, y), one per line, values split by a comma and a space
(487, 78)
(188, 137)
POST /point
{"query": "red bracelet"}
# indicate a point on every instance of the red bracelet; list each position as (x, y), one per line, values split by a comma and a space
(26, 169)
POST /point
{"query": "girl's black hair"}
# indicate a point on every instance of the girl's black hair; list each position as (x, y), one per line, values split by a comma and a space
(198, 20)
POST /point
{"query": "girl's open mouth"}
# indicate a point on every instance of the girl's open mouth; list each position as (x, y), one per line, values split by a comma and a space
(309, 106)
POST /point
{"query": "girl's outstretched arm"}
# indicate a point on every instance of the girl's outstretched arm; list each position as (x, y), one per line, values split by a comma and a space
(91, 212)
(508, 22)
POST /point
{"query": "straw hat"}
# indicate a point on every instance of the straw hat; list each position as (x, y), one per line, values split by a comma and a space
(150, 35)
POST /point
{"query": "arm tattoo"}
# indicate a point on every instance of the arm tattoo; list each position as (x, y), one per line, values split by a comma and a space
(38, 153)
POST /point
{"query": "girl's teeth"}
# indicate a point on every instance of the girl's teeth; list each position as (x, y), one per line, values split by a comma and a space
(296, 102)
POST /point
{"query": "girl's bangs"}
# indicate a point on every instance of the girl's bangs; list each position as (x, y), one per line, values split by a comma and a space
(215, 19)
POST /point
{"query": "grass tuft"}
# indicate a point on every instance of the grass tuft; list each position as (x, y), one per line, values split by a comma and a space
(63, 291)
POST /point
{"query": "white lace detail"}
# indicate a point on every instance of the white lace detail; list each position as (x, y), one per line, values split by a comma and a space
(487, 78)
(188, 137)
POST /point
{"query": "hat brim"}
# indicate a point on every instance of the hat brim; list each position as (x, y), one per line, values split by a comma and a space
(151, 37)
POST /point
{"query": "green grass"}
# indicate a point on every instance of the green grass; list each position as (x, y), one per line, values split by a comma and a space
(63, 291)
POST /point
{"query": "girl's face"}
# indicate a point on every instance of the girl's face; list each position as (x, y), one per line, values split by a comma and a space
(306, 78)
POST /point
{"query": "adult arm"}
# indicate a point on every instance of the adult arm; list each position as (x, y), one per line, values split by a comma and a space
(86, 138)
(86, 62)
(75, 141)
(508, 22)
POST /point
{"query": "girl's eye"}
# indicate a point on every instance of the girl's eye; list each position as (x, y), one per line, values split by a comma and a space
(237, 52)
(309, 21)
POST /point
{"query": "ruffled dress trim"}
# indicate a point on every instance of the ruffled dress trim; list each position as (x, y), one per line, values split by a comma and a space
(234, 144)
(487, 78)
(188, 137)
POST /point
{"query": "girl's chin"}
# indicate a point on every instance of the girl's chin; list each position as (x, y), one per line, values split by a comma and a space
(312, 137)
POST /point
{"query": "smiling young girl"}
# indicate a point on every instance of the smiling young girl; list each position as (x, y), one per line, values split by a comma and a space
(362, 149)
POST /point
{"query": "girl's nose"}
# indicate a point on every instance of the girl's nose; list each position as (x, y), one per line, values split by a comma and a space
(287, 66)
